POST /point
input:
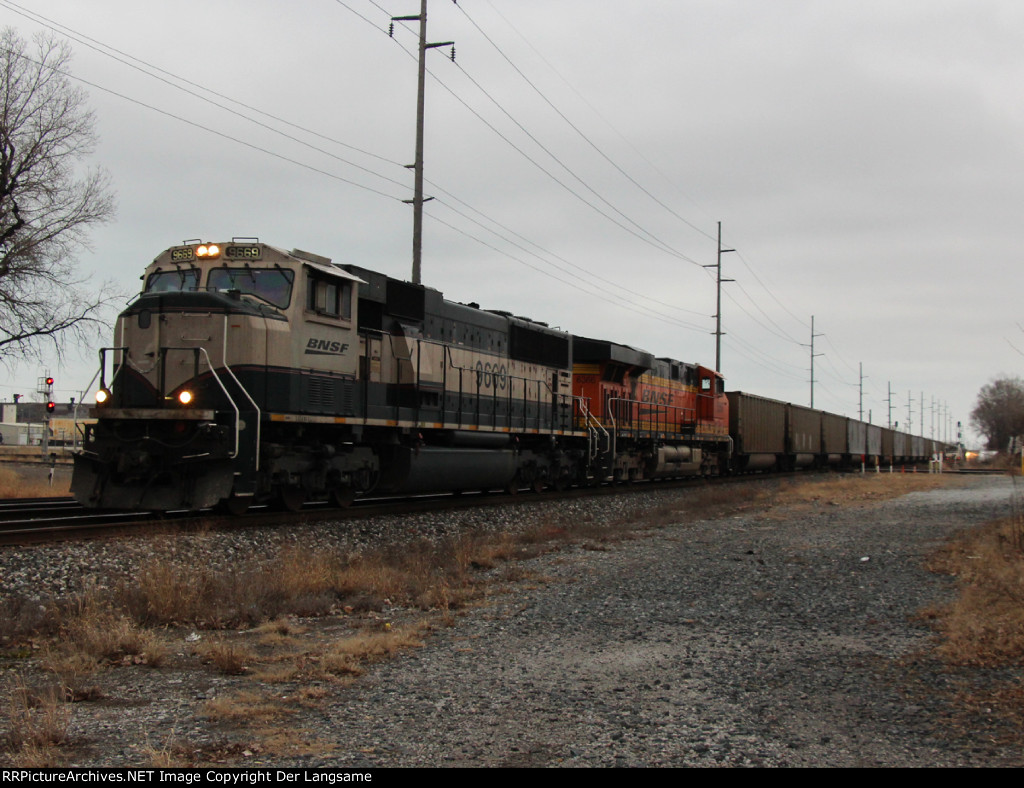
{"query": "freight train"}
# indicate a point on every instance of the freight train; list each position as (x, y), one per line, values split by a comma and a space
(244, 373)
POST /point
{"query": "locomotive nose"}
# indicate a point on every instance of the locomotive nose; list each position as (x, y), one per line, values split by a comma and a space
(135, 463)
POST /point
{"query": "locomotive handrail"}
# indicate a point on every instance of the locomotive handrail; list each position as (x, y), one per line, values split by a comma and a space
(103, 364)
(593, 425)
(526, 399)
(244, 391)
(659, 425)
(532, 388)
(223, 388)
(196, 351)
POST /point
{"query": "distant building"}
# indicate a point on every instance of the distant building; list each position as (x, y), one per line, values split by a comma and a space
(24, 423)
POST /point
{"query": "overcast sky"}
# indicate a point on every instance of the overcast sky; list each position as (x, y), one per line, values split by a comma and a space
(865, 159)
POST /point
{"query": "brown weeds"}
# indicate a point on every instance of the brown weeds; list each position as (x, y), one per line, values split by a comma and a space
(93, 629)
(984, 626)
(227, 656)
(37, 723)
(16, 485)
(246, 707)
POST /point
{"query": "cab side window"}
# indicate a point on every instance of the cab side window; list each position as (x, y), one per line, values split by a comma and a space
(328, 296)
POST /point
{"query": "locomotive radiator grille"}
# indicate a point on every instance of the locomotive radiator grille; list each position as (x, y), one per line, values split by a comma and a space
(329, 394)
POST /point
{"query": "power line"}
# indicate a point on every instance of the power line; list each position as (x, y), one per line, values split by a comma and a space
(221, 134)
(574, 127)
(124, 58)
(574, 283)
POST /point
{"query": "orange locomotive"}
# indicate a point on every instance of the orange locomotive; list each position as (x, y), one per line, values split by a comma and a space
(650, 417)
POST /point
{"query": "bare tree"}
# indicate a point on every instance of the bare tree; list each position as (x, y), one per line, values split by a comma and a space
(999, 414)
(48, 202)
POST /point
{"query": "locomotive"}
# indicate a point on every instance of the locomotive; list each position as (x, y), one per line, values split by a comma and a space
(244, 373)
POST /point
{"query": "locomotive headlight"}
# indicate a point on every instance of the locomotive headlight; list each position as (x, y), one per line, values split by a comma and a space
(185, 397)
(208, 251)
(102, 396)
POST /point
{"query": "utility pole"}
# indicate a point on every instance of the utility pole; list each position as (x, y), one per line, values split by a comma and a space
(888, 401)
(417, 199)
(910, 411)
(718, 300)
(860, 394)
(813, 354)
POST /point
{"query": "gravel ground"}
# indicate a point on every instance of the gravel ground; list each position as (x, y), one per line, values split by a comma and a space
(782, 638)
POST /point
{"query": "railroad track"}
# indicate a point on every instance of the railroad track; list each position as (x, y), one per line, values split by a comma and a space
(37, 508)
(29, 521)
(44, 520)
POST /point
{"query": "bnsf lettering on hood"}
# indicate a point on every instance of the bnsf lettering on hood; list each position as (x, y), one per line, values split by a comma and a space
(325, 347)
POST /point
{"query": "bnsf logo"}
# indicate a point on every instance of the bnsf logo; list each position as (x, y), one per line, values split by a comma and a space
(325, 347)
(656, 397)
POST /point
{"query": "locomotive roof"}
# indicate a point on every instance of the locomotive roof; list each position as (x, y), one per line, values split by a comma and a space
(586, 349)
(276, 255)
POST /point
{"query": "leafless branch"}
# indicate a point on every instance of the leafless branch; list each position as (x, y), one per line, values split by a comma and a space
(48, 204)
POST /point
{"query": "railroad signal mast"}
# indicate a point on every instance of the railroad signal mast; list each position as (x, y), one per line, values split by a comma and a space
(44, 386)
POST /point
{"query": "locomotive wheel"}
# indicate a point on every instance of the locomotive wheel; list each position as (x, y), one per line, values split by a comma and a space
(291, 498)
(342, 497)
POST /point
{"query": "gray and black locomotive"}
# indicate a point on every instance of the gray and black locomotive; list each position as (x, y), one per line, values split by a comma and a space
(246, 373)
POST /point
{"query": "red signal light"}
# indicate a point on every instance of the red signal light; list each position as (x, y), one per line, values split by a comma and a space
(49, 381)
(50, 407)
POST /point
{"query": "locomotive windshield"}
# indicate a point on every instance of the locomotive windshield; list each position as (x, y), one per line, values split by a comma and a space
(273, 285)
(172, 281)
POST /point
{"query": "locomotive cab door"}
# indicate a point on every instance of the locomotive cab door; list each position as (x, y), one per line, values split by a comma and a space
(706, 393)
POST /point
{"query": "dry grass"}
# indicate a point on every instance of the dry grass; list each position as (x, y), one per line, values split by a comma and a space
(348, 656)
(91, 630)
(984, 626)
(247, 706)
(228, 656)
(18, 485)
(852, 488)
(37, 724)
